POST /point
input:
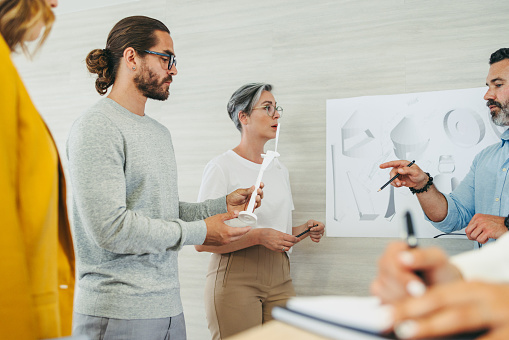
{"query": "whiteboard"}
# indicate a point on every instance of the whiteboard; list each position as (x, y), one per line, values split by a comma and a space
(442, 131)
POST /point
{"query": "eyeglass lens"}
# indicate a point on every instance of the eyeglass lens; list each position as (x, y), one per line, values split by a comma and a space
(172, 61)
(271, 110)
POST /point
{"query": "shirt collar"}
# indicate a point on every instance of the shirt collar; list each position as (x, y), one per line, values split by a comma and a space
(505, 137)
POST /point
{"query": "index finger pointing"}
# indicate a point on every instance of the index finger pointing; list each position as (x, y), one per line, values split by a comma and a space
(394, 164)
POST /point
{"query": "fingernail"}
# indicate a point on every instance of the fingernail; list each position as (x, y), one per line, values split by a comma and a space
(406, 258)
(416, 288)
(406, 329)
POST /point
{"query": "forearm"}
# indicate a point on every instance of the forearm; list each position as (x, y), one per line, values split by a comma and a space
(250, 239)
(199, 211)
(433, 203)
(130, 232)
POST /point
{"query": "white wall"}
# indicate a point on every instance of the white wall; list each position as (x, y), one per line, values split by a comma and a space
(311, 51)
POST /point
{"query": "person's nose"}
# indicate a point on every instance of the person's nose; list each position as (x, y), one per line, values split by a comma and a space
(173, 70)
(276, 115)
(52, 3)
(489, 94)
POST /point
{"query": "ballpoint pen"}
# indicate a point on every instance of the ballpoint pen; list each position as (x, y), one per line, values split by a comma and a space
(411, 240)
(306, 231)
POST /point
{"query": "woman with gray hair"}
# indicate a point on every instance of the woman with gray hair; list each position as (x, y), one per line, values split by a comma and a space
(247, 278)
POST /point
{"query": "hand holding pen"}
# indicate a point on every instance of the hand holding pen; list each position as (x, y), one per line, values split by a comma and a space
(315, 229)
(403, 265)
(405, 173)
(394, 177)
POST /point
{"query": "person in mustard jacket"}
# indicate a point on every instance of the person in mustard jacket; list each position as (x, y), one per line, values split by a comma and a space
(36, 250)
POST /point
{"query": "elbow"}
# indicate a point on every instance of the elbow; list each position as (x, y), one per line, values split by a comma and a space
(111, 239)
(107, 244)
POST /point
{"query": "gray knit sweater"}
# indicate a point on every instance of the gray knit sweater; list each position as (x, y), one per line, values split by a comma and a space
(128, 222)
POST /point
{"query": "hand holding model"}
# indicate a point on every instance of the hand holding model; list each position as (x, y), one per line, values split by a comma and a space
(218, 233)
(240, 198)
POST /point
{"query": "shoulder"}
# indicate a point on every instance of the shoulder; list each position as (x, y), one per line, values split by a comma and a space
(221, 166)
(93, 125)
(10, 77)
(281, 165)
(281, 169)
(5, 58)
(92, 119)
(155, 122)
(223, 160)
(489, 151)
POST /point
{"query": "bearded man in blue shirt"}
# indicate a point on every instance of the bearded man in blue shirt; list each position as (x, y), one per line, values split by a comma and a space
(481, 201)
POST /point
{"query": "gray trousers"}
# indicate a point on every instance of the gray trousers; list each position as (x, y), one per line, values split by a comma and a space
(99, 328)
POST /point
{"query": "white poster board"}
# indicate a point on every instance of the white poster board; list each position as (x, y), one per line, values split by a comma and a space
(442, 131)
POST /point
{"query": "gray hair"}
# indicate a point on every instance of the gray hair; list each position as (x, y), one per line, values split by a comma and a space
(244, 99)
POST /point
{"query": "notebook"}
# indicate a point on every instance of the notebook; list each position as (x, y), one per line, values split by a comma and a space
(343, 317)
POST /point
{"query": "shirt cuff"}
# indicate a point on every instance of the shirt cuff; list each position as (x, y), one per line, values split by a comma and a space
(195, 233)
(447, 224)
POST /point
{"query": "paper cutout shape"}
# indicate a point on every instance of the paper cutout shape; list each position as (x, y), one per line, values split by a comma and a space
(444, 181)
(391, 206)
(409, 139)
(464, 127)
(357, 140)
(362, 198)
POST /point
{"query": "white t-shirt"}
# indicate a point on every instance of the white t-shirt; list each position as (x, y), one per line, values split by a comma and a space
(490, 263)
(229, 172)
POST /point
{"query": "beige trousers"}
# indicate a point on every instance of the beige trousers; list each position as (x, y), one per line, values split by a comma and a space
(242, 288)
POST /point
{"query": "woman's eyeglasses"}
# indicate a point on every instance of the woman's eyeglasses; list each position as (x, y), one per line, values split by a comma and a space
(271, 110)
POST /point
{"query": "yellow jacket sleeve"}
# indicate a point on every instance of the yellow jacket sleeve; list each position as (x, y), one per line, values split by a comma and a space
(16, 312)
(36, 254)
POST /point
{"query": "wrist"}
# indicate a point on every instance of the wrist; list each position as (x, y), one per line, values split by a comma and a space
(506, 222)
(426, 186)
(256, 234)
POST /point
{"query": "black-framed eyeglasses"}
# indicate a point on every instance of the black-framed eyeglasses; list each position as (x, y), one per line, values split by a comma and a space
(271, 110)
(171, 59)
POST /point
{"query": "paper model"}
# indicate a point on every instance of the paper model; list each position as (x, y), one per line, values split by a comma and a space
(409, 139)
(464, 127)
(357, 139)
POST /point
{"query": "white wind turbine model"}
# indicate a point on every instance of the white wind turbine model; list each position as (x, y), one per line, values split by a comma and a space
(248, 216)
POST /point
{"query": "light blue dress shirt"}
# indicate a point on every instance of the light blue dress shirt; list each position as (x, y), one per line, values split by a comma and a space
(485, 189)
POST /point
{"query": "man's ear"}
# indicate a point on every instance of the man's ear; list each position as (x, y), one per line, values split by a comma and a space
(130, 58)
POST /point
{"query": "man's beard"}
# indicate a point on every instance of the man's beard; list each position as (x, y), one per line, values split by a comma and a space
(502, 117)
(146, 81)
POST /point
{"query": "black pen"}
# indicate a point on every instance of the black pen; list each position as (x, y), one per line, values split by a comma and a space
(397, 175)
(306, 231)
(411, 240)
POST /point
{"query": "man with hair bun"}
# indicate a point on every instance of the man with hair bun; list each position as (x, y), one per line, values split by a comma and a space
(128, 221)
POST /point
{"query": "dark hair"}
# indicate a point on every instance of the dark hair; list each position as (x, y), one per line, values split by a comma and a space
(499, 55)
(18, 17)
(244, 99)
(137, 32)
